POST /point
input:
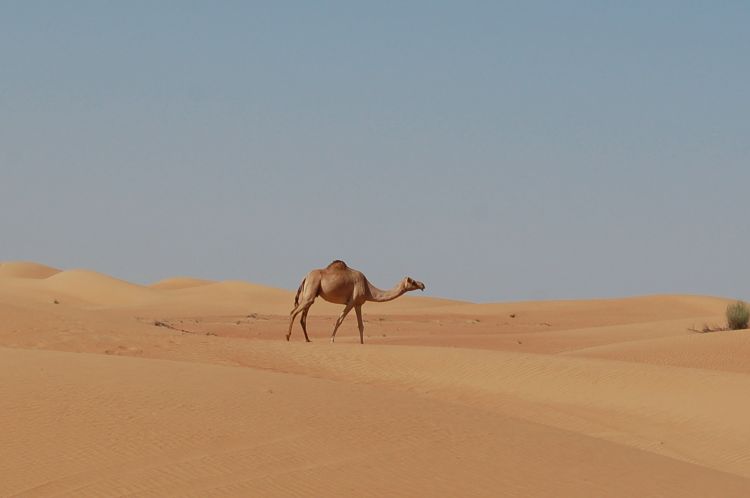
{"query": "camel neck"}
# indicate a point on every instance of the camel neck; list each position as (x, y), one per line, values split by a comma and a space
(384, 295)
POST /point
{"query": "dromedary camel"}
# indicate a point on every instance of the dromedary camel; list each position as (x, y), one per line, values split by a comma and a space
(339, 284)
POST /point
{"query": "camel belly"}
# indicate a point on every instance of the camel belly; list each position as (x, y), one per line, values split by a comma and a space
(333, 297)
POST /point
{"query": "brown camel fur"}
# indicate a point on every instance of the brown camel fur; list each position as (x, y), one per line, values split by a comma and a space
(339, 284)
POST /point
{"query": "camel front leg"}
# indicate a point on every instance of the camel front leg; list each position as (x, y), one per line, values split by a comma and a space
(360, 324)
(340, 320)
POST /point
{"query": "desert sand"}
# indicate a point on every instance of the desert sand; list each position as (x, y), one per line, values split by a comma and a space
(186, 387)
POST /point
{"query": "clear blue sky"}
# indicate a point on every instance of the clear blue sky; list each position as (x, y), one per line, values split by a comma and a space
(494, 150)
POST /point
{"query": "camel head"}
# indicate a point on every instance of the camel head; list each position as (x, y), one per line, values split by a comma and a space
(410, 284)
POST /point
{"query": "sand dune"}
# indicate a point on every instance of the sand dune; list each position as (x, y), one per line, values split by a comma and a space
(99, 289)
(179, 283)
(186, 388)
(600, 312)
(726, 351)
(23, 269)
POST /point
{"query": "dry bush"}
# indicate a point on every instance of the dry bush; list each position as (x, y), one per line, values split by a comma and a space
(738, 315)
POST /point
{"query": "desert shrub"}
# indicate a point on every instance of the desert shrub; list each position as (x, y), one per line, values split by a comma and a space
(738, 315)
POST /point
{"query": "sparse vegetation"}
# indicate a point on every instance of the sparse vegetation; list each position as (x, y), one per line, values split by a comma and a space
(708, 328)
(738, 315)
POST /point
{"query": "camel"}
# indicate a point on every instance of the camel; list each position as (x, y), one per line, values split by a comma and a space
(339, 284)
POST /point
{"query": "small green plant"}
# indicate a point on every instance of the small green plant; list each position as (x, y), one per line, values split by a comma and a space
(738, 315)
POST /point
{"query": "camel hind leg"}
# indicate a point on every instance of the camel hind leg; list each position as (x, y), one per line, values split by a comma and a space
(303, 308)
(308, 291)
(303, 322)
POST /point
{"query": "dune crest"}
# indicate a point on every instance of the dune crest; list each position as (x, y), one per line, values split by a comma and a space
(175, 283)
(98, 288)
(26, 269)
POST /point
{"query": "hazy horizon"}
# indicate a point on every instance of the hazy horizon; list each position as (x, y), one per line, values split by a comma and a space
(495, 151)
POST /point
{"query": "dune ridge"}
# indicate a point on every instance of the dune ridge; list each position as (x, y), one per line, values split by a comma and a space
(173, 283)
(97, 288)
(26, 269)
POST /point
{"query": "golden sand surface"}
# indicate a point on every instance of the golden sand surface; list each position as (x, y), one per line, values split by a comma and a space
(187, 388)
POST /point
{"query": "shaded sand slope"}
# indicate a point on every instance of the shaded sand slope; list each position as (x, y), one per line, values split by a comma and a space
(98, 289)
(25, 269)
(79, 287)
(89, 425)
(727, 351)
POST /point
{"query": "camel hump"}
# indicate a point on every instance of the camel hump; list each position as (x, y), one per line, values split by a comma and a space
(337, 265)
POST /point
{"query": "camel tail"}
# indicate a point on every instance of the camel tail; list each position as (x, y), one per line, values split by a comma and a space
(296, 298)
